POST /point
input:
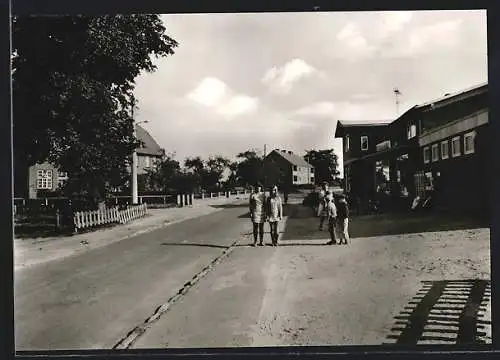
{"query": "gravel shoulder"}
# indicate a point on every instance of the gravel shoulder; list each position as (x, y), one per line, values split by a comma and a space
(306, 293)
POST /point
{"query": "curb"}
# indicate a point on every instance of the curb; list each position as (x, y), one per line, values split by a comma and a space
(125, 237)
(132, 336)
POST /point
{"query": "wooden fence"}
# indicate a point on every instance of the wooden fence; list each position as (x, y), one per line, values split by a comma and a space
(88, 219)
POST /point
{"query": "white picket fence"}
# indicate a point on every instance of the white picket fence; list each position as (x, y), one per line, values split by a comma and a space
(88, 219)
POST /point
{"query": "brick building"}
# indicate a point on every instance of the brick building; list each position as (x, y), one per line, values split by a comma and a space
(438, 146)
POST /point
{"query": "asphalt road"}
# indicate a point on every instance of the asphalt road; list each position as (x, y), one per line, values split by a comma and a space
(409, 288)
(93, 299)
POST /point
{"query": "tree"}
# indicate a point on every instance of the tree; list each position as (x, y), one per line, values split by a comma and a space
(215, 169)
(325, 164)
(232, 180)
(73, 82)
(195, 166)
(164, 176)
(250, 168)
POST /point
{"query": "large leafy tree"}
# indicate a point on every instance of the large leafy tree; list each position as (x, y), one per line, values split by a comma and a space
(73, 82)
(325, 164)
(165, 175)
(215, 167)
(207, 174)
(250, 168)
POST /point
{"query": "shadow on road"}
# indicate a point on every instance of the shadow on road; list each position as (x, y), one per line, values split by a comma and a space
(453, 308)
(229, 206)
(201, 245)
(303, 225)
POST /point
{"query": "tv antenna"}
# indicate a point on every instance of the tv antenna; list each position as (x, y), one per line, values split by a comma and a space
(397, 94)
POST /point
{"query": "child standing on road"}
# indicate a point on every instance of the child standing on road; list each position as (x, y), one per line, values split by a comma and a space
(343, 220)
(332, 215)
(258, 213)
(275, 214)
(322, 203)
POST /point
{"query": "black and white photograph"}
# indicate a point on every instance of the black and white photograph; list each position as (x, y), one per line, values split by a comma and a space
(230, 180)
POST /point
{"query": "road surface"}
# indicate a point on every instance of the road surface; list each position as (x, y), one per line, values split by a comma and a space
(95, 298)
(408, 288)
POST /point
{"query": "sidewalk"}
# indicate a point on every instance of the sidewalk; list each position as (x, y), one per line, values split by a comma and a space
(28, 252)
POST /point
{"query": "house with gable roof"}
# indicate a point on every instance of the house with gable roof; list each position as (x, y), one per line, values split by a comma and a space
(45, 178)
(296, 170)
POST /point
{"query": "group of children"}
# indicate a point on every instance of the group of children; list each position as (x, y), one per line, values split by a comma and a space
(337, 214)
(270, 210)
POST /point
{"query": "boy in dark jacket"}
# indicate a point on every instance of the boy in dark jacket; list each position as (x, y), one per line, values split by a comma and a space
(343, 220)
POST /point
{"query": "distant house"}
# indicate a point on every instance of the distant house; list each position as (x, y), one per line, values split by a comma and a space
(296, 170)
(46, 178)
(149, 153)
(439, 146)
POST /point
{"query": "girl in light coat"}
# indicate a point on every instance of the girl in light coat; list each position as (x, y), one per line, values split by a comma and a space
(275, 214)
(258, 213)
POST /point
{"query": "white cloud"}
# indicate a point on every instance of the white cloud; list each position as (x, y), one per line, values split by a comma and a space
(353, 43)
(239, 104)
(438, 37)
(210, 92)
(392, 22)
(214, 93)
(281, 80)
(317, 109)
(441, 34)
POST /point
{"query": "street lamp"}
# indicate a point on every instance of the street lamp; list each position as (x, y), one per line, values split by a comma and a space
(135, 195)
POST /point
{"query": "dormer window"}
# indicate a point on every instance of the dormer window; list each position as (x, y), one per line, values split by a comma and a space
(364, 143)
(346, 143)
(412, 131)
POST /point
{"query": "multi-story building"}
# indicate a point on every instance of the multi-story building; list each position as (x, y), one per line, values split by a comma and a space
(296, 170)
(454, 149)
(360, 143)
(437, 146)
(45, 178)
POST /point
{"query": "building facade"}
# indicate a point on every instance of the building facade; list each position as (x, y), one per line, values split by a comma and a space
(437, 147)
(295, 169)
(45, 178)
(454, 148)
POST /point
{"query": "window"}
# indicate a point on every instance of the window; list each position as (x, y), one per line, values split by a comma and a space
(147, 161)
(295, 168)
(61, 178)
(427, 155)
(469, 142)
(412, 131)
(312, 170)
(444, 150)
(44, 179)
(455, 146)
(347, 144)
(435, 152)
(295, 178)
(364, 143)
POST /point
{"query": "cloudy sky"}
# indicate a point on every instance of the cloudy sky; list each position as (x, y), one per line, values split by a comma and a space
(239, 81)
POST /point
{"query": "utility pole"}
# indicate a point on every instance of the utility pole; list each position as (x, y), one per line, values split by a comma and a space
(135, 194)
(397, 94)
(264, 167)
